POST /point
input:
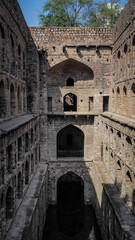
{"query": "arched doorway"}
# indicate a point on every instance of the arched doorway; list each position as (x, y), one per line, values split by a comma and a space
(70, 203)
(70, 142)
(9, 203)
(70, 82)
(70, 102)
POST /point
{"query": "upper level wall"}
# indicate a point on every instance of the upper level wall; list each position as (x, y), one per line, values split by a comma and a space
(18, 76)
(124, 43)
(125, 19)
(44, 36)
(123, 91)
(11, 11)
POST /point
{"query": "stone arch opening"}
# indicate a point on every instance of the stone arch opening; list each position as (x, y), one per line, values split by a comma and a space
(9, 159)
(1, 175)
(19, 103)
(26, 142)
(70, 82)
(19, 51)
(20, 149)
(70, 102)
(24, 101)
(2, 45)
(12, 49)
(2, 100)
(20, 185)
(70, 203)
(133, 42)
(133, 99)
(2, 202)
(19, 59)
(112, 165)
(32, 164)
(119, 175)
(12, 99)
(32, 136)
(2, 32)
(70, 142)
(125, 48)
(118, 98)
(71, 68)
(27, 173)
(119, 54)
(9, 203)
(128, 187)
(128, 146)
(124, 99)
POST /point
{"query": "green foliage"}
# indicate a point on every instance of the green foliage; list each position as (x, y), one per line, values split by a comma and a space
(105, 15)
(78, 13)
(65, 13)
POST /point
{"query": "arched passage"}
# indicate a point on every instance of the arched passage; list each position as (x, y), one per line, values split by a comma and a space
(2, 46)
(27, 173)
(20, 185)
(70, 142)
(133, 99)
(2, 100)
(19, 103)
(70, 202)
(12, 99)
(70, 102)
(9, 203)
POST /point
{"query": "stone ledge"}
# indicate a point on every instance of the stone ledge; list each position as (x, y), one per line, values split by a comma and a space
(126, 219)
(129, 121)
(14, 123)
(23, 218)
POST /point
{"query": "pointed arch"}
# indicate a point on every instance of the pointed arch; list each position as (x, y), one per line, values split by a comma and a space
(19, 102)
(20, 185)
(27, 173)
(2, 100)
(133, 99)
(2, 32)
(9, 203)
(70, 142)
(119, 175)
(12, 50)
(70, 102)
(24, 99)
(133, 90)
(129, 188)
(70, 202)
(12, 99)
(71, 68)
(2, 46)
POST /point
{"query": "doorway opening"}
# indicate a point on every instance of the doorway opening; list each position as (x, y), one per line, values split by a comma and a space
(70, 204)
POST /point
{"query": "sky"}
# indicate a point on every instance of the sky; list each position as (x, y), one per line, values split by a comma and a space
(32, 8)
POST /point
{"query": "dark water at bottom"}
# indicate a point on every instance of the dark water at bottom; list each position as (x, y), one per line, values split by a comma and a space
(88, 231)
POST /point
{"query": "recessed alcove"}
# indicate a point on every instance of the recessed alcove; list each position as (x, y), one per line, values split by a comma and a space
(70, 142)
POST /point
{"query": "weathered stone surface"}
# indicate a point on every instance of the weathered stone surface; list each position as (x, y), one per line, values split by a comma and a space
(67, 105)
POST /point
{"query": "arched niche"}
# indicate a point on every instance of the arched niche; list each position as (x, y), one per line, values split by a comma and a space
(70, 82)
(70, 102)
(2, 100)
(9, 203)
(20, 185)
(12, 99)
(2, 32)
(70, 69)
(27, 173)
(70, 142)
